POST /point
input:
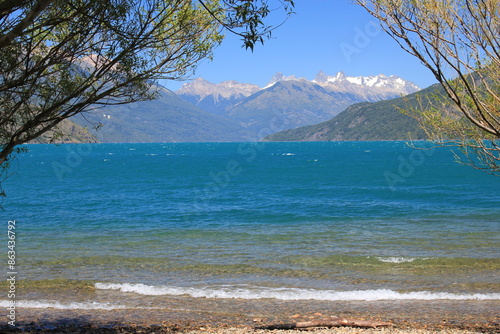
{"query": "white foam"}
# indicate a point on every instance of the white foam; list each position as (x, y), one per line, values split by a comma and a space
(400, 259)
(227, 291)
(395, 259)
(62, 306)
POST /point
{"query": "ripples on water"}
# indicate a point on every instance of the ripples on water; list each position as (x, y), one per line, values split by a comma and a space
(283, 220)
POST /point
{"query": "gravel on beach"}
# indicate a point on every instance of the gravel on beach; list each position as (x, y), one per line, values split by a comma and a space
(164, 329)
(207, 316)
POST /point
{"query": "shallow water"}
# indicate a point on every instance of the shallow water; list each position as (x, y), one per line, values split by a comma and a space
(290, 221)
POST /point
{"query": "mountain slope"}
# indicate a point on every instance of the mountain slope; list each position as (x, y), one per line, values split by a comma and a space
(289, 104)
(215, 98)
(66, 132)
(230, 111)
(382, 120)
(370, 88)
(374, 87)
(166, 119)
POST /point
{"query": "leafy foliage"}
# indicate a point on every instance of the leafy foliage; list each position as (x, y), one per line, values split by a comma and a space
(59, 58)
(81, 54)
(458, 41)
(246, 19)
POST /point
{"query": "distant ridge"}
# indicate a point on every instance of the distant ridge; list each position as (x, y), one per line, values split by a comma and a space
(383, 120)
(373, 88)
(215, 98)
(202, 111)
(166, 119)
(290, 101)
(66, 132)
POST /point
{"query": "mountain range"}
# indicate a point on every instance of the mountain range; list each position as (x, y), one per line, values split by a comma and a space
(372, 87)
(383, 120)
(165, 119)
(233, 111)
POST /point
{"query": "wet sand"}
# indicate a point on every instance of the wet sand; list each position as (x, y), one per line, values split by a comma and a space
(234, 316)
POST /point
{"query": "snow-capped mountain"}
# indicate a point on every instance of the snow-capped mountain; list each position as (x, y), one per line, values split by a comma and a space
(232, 111)
(215, 98)
(371, 88)
(295, 101)
(377, 87)
(279, 77)
(381, 81)
(202, 88)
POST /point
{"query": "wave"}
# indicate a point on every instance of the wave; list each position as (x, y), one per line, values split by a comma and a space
(62, 306)
(400, 259)
(231, 291)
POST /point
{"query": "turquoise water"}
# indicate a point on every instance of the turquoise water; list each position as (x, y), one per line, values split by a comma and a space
(316, 220)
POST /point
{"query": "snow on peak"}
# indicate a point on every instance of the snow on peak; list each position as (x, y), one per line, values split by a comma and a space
(380, 81)
(278, 77)
(202, 88)
(340, 76)
(340, 82)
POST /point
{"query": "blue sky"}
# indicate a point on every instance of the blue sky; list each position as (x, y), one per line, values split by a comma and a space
(327, 35)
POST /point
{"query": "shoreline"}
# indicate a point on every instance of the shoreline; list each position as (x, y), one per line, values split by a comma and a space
(204, 315)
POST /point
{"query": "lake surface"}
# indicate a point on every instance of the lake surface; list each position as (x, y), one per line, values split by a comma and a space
(324, 221)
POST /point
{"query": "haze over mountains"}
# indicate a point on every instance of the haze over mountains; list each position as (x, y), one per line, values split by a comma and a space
(233, 111)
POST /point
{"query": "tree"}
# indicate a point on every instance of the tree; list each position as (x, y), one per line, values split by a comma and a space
(59, 58)
(459, 42)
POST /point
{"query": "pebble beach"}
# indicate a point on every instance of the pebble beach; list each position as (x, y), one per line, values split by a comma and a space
(206, 316)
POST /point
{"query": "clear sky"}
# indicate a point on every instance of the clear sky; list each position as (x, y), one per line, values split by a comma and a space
(327, 35)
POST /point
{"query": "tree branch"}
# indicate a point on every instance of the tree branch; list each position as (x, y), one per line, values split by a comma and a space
(39, 7)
